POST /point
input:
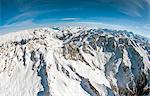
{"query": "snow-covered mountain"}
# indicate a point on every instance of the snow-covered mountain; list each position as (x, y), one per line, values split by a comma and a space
(74, 61)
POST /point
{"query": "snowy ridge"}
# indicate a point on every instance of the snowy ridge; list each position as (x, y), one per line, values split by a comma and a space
(74, 61)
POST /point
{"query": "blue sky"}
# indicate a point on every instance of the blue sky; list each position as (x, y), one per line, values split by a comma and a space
(129, 14)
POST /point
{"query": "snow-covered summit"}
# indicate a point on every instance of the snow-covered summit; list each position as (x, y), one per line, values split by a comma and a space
(74, 61)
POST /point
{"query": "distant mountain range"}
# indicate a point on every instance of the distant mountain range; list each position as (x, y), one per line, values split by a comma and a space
(74, 61)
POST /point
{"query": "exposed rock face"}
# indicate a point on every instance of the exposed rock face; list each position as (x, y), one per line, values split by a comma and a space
(74, 61)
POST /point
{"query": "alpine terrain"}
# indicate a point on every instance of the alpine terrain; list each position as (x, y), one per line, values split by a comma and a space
(74, 61)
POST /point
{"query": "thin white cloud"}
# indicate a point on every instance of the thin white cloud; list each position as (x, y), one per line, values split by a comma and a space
(32, 14)
(27, 22)
(133, 13)
(147, 27)
(148, 1)
(68, 19)
(14, 19)
(25, 15)
(17, 26)
(134, 8)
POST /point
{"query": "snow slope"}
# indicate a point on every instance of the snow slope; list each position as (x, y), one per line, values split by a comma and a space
(74, 61)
